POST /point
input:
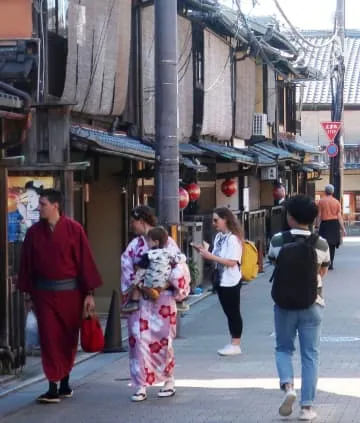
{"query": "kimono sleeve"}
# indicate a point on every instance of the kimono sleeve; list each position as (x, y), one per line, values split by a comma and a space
(25, 277)
(88, 272)
(128, 266)
(180, 275)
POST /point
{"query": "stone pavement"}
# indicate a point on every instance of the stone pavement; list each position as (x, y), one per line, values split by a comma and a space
(213, 389)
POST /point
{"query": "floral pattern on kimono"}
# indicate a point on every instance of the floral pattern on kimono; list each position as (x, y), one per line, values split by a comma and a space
(152, 328)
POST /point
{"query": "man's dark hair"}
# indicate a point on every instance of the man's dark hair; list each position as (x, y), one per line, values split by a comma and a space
(159, 233)
(53, 195)
(302, 208)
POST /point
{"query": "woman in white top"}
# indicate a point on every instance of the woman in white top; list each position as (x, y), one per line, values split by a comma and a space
(226, 255)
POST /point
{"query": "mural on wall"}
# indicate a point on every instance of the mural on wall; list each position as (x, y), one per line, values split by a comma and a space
(23, 203)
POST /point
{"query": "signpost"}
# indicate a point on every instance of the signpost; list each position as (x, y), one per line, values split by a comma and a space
(331, 129)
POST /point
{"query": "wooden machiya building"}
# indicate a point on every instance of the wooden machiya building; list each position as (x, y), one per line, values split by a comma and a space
(77, 112)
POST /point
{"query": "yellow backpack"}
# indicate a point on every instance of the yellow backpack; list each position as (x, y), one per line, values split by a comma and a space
(249, 261)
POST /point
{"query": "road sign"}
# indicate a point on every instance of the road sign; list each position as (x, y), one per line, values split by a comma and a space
(332, 150)
(331, 129)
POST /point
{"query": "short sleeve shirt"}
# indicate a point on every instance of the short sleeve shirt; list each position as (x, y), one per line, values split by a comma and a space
(231, 249)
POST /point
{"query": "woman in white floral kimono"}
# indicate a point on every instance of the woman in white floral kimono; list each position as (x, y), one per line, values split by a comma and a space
(152, 328)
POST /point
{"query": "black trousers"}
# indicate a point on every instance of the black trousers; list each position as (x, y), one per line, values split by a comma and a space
(229, 298)
(332, 249)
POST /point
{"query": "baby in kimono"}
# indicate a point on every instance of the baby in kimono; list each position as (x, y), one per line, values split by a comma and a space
(153, 270)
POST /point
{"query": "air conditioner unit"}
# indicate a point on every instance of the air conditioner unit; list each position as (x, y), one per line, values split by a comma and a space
(260, 125)
(19, 67)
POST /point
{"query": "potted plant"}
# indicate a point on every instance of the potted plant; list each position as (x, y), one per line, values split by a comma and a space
(194, 274)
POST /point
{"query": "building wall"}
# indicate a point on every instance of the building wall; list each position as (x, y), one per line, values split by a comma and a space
(313, 133)
(351, 181)
(259, 103)
(105, 226)
(221, 200)
(15, 19)
(266, 193)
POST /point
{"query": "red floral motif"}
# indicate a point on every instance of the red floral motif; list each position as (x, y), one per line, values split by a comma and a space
(165, 311)
(173, 318)
(132, 341)
(150, 377)
(169, 368)
(181, 283)
(155, 348)
(144, 325)
(131, 253)
(141, 242)
(164, 342)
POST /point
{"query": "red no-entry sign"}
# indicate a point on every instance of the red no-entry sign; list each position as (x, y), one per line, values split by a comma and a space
(331, 129)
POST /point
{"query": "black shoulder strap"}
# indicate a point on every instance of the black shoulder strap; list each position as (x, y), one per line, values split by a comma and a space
(312, 239)
(287, 237)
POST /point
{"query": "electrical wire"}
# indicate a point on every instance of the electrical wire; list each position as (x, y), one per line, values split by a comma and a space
(334, 37)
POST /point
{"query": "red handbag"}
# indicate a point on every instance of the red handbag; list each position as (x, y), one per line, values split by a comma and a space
(91, 334)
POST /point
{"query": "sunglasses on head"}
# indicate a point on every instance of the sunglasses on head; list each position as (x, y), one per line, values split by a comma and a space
(136, 214)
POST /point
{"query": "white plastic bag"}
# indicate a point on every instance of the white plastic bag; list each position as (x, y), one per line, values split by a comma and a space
(31, 331)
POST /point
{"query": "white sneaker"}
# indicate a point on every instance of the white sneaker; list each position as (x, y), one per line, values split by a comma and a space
(307, 414)
(230, 349)
(286, 406)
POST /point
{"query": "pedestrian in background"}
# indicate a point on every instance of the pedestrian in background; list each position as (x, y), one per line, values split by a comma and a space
(226, 255)
(152, 328)
(58, 274)
(330, 221)
(301, 260)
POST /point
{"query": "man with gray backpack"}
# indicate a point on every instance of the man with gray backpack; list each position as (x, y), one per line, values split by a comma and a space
(301, 261)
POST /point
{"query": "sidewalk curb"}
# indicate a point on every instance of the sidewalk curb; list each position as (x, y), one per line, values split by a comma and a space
(41, 377)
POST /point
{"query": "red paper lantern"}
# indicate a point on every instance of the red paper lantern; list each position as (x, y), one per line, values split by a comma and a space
(183, 198)
(228, 187)
(279, 192)
(194, 191)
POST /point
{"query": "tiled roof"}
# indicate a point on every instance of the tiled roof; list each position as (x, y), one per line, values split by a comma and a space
(273, 152)
(299, 147)
(121, 144)
(228, 153)
(316, 92)
(350, 166)
(188, 149)
(261, 158)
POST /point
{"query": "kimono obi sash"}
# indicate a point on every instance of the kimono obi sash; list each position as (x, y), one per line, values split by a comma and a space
(61, 285)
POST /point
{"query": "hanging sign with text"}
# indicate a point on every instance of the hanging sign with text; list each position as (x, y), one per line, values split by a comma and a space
(331, 129)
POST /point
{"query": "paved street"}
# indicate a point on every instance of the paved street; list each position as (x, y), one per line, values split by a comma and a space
(212, 389)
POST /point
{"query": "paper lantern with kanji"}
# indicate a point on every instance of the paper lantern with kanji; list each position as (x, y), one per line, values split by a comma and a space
(279, 192)
(183, 198)
(228, 187)
(194, 191)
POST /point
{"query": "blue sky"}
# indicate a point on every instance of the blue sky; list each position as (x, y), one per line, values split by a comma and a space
(305, 14)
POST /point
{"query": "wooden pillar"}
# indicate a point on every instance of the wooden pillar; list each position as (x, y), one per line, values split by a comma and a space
(68, 191)
(59, 133)
(31, 144)
(4, 286)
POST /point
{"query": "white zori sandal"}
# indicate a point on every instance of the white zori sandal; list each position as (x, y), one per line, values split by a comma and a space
(168, 390)
(140, 395)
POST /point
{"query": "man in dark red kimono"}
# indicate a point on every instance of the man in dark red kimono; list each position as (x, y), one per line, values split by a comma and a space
(59, 275)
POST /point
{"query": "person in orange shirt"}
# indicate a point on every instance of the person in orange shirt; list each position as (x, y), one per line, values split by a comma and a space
(330, 221)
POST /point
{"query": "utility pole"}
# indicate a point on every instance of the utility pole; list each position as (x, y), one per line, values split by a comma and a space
(166, 113)
(337, 163)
